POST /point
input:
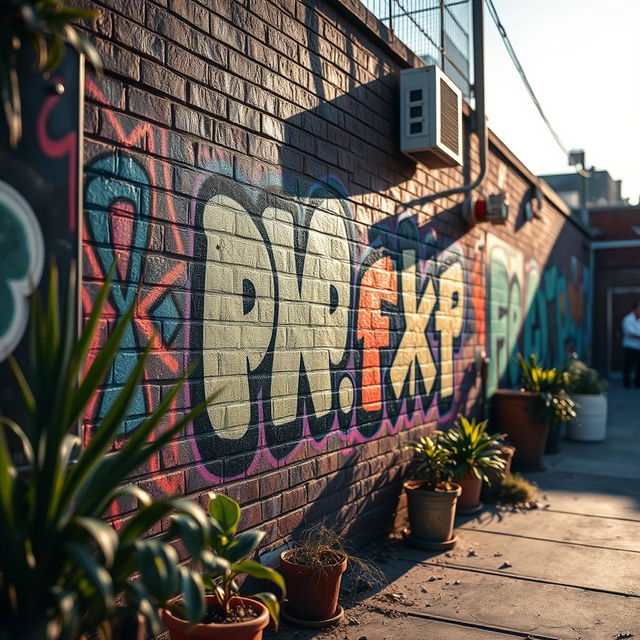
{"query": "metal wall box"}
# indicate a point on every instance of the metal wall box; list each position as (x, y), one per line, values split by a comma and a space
(430, 117)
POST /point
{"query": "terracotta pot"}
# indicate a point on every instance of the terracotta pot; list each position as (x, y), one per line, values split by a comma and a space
(250, 630)
(431, 514)
(527, 433)
(312, 592)
(469, 500)
(490, 492)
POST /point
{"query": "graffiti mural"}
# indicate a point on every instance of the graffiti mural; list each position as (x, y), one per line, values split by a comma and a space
(532, 311)
(126, 194)
(305, 327)
(304, 332)
(38, 193)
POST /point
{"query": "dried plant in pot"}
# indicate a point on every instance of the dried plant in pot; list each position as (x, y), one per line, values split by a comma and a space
(529, 415)
(431, 495)
(313, 571)
(473, 454)
(228, 616)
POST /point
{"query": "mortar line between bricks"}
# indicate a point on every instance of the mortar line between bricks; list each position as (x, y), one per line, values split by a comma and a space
(471, 625)
(524, 578)
(575, 544)
(594, 515)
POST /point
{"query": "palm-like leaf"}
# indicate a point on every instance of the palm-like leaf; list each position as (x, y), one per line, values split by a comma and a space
(432, 461)
(472, 449)
(62, 568)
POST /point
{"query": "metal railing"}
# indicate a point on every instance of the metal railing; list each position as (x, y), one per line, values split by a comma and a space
(438, 31)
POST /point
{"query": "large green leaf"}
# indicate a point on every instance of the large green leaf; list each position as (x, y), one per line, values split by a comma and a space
(225, 511)
(104, 536)
(272, 604)
(95, 573)
(192, 589)
(159, 568)
(243, 544)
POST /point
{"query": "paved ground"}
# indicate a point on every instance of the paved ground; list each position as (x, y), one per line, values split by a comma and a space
(568, 570)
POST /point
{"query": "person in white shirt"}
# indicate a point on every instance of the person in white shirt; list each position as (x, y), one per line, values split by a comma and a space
(631, 346)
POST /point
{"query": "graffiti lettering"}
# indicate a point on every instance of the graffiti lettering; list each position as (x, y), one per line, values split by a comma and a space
(547, 319)
(295, 340)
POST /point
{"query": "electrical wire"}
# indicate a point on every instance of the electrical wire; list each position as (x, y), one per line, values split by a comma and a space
(514, 58)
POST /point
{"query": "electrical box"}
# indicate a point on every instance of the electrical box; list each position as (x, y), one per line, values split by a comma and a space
(430, 117)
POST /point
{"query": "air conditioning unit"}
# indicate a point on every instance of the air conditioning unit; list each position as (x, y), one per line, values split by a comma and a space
(430, 117)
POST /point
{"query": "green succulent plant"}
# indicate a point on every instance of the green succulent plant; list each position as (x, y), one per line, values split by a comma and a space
(44, 26)
(229, 550)
(472, 449)
(582, 379)
(432, 463)
(551, 385)
(63, 570)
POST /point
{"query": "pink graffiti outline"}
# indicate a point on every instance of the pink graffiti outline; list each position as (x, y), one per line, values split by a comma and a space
(353, 437)
(67, 145)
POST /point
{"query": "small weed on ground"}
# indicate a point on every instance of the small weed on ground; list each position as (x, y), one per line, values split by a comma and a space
(518, 492)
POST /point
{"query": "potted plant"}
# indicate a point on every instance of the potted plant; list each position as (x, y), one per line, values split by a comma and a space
(313, 570)
(526, 416)
(587, 388)
(473, 452)
(64, 571)
(228, 615)
(431, 495)
(313, 567)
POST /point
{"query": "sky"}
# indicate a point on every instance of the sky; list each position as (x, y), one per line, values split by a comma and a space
(582, 58)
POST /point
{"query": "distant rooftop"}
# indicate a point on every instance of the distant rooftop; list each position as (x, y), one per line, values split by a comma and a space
(602, 189)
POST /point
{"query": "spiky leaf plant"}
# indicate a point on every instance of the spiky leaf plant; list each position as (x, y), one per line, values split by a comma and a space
(551, 386)
(432, 463)
(63, 570)
(472, 450)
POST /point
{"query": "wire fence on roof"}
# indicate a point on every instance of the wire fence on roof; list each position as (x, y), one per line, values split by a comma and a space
(436, 30)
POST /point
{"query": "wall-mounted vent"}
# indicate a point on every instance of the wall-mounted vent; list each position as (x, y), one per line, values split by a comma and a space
(431, 117)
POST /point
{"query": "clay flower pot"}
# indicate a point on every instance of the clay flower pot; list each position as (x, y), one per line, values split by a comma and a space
(312, 592)
(431, 515)
(469, 500)
(249, 630)
(526, 431)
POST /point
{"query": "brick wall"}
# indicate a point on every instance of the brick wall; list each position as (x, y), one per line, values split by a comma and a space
(242, 170)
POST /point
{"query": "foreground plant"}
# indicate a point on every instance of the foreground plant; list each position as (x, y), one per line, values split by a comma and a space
(63, 570)
(44, 26)
(228, 614)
